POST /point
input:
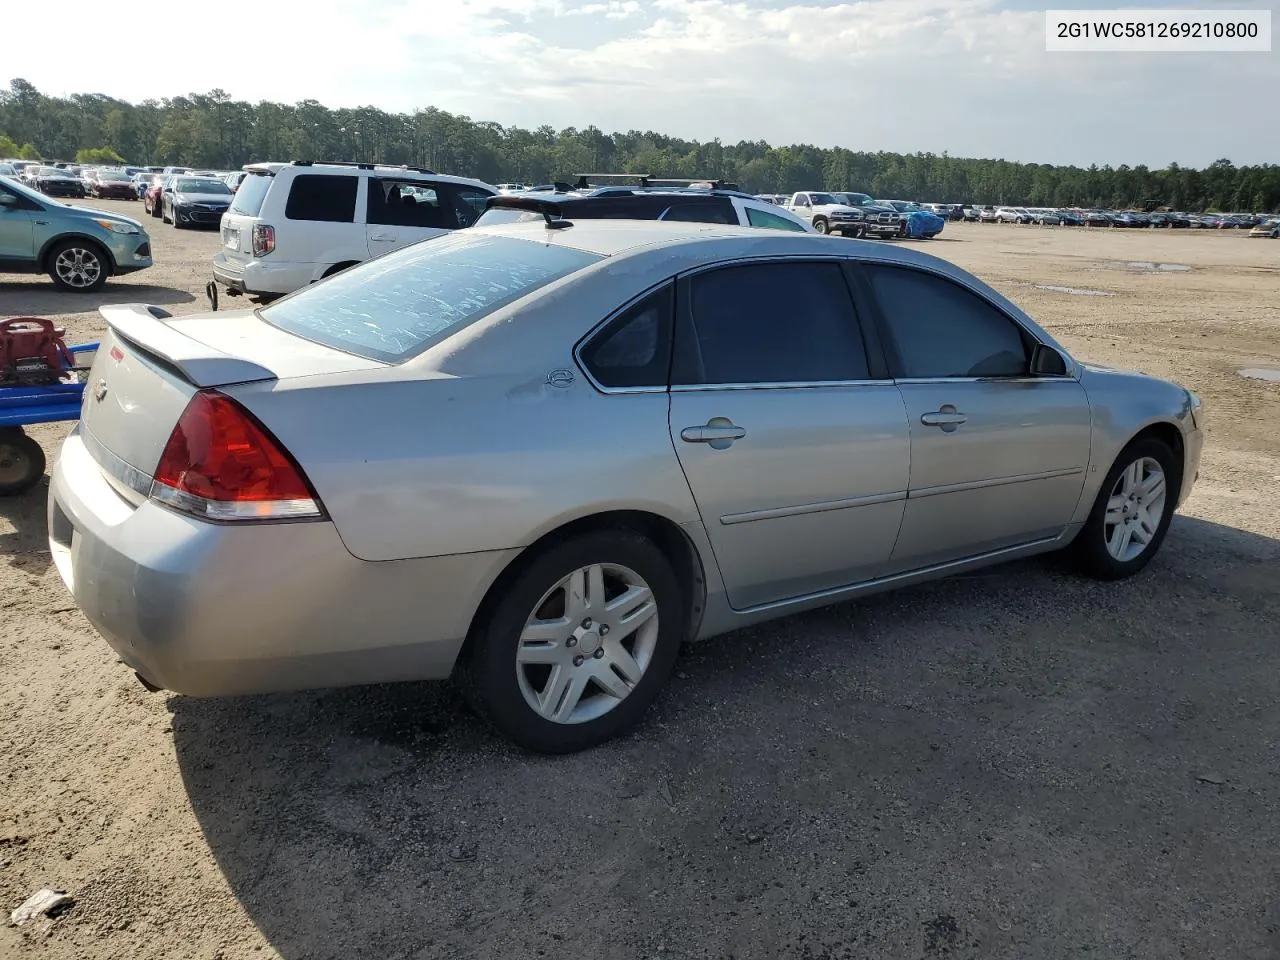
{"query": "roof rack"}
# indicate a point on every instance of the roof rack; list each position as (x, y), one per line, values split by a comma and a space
(550, 210)
(646, 181)
(361, 165)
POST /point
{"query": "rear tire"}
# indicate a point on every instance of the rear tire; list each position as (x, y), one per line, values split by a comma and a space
(22, 462)
(549, 631)
(1121, 536)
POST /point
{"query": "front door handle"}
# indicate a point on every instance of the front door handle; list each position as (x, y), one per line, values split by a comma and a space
(718, 433)
(947, 417)
(382, 236)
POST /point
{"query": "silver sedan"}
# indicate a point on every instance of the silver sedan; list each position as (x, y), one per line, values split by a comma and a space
(538, 457)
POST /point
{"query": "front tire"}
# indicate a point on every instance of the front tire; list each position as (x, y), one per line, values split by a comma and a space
(820, 225)
(578, 644)
(1132, 513)
(78, 266)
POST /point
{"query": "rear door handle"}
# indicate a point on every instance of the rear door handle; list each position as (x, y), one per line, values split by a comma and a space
(718, 433)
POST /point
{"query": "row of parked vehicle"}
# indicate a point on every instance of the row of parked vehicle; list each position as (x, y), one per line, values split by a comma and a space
(1260, 224)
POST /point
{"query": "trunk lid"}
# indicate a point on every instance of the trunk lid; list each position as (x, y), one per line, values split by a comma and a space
(148, 366)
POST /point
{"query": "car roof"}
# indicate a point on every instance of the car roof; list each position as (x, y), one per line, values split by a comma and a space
(354, 169)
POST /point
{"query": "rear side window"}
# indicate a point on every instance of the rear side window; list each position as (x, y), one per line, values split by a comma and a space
(937, 328)
(634, 350)
(769, 323)
(252, 192)
(396, 305)
(322, 197)
(718, 210)
(771, 221)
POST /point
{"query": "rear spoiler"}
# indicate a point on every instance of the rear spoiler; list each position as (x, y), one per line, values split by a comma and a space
(550, 210)
(145, 327)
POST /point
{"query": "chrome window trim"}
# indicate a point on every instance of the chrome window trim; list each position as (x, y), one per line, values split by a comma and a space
(781, 385)
(1027, 378)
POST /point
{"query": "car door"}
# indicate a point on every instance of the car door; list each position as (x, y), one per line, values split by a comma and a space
(793, 441)
(401, 212)
(17, 232)
(998, 456)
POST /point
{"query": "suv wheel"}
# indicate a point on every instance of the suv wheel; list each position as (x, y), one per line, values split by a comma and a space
(579, 643)
(78, 265)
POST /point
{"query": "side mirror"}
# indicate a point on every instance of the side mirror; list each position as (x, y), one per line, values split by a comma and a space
(1047, 362)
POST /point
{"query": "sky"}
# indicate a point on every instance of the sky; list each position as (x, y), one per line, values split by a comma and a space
(969, 77)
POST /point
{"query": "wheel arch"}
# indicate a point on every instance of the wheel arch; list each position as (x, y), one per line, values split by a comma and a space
(339, 267)
(665, 533)
(53, 242)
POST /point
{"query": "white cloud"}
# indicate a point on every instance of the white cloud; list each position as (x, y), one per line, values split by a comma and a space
(967, 76)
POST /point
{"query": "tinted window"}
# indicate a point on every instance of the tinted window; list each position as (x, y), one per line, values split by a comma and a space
(409, 203)
(770, 323)
(707, 211)
(468, 202)
(634, 350)
(323, 197)
(252, 192)
(389, 308)
(940, 329)
(763, 218)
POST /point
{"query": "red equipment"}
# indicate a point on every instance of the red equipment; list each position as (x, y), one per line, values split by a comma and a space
(32, 352)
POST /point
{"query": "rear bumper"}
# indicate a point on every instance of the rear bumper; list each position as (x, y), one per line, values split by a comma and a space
(260, 276)
(217, 609)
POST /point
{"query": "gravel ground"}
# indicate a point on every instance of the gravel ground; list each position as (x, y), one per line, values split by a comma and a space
(1012, 764)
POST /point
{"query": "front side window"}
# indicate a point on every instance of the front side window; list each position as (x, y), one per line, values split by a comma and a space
(468, 203)
(763, 218)
(634, 350)
(396, 305)
(323, 198)
(769, 323)
(940, 329)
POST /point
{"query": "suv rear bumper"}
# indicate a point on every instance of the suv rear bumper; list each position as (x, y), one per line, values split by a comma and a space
(259, 277)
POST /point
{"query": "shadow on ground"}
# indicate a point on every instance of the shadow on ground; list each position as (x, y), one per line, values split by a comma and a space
(40, 298)
(1015, 763)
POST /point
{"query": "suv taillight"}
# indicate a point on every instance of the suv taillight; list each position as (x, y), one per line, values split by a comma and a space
(264, 239)
(222, 464)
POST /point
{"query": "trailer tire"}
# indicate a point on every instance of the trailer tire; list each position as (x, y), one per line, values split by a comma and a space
(22, 462)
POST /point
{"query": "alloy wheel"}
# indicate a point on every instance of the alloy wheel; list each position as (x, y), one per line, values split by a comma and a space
(78, 267)
(1135, 509)
(587, 643)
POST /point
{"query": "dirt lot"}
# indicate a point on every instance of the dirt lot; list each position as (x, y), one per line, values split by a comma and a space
(1016, 764)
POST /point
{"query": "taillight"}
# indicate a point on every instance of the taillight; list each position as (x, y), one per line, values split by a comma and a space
(264, 239)
(222, 464)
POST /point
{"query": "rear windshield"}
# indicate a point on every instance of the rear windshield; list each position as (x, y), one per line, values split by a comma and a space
(497, 215)
(393, 307)
(252, 192)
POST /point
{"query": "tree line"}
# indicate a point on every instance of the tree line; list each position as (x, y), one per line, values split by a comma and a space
(210, 130)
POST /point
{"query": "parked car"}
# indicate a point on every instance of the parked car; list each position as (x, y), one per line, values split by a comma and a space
(846, 214)
(689, 205)
(1013, 215)
(291, 224)
(511, 187)
(151, 198)
(1097, 218)
(1268, 228)
(337, 478)
(234, 179)
(140, 183)
(117, 184)
(79, 248)
(188, 201)
(54, 182)
(8, 170)
(987, 215)
(1069, 218)
(918, 223)
(971, 214)
(172, 170)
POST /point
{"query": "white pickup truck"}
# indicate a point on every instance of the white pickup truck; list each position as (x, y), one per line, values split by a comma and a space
(847, 214)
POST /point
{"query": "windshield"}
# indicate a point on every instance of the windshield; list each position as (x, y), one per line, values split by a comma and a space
(52, 172)
(112, 175)
(394, 306)
(822, 199)
(248, 199)
(201, 186)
